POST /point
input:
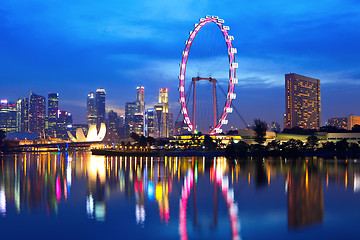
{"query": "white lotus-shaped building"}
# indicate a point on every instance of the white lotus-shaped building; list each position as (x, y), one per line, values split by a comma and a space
(92, 136)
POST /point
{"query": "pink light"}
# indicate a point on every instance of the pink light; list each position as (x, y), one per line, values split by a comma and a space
(58, 189)
(183, 69)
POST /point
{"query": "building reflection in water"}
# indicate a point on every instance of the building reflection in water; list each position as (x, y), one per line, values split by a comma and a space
(33, 181)
(305, 198)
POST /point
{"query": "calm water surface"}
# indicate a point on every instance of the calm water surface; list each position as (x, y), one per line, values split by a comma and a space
(77, 195)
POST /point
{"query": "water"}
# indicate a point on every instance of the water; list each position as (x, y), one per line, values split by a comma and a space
(60, 196)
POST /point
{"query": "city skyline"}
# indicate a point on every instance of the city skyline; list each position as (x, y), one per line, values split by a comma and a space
(95, 43)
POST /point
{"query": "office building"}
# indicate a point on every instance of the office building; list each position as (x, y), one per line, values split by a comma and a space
(344, 122)
(180, 128)
(52, 117)
(64, 124)
(338, 122)
(8, 116)
(140, 97)
(138, 126)
(131, 109)
(150, 122)
(113, 125)
(302, 102)
(352, 121)
(158, 120)
(100, 106)
(167, 121)
(37, 108)
(22, 116)
(91, 109)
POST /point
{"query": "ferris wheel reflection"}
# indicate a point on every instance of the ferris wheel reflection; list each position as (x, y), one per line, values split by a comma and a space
(220, 180)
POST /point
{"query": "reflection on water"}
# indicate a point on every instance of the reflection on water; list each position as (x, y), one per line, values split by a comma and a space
(195, 194)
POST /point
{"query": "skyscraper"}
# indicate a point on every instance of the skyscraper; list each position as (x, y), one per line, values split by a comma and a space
(8, 116)
(140, 97)
(131, 109)
(53, 107)
(100, 106)
(150, 122)
(163, 99)
(24, 115)
(90, 109)
(158, 120)
(64, 124)
(302, 102)
(37, 108)
(167, 117)
(113, 125)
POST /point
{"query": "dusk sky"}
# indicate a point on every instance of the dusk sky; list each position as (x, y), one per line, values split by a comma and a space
(74, 47)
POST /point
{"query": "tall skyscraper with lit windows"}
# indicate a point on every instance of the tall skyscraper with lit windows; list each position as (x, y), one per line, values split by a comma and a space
(90, 109)
(167, 124)
(302, 102)
(37, 106)
(53, 107)
(140, 97)
(100, 106)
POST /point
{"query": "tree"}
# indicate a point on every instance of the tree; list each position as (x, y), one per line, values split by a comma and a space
(328, 147)
(274, 145)
(342, 145)
(260, 128)
(312, 142)
(209, 143)
(135, 136)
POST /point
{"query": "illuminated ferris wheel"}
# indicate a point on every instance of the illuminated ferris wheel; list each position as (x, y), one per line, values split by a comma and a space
(189, 107)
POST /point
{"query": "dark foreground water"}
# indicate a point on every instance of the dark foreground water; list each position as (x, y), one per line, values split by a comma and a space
(79, 196)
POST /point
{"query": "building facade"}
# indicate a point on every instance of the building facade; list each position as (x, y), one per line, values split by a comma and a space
(37, 106)
(140, 97)
(64, 124)
(150, 122)
(100, 106)
(344, 122)
(22, 117)
(90, 109)
(167, 121)
(53, 107)
(8, 116)
(113, 125)
(131, 109)
(302, 102)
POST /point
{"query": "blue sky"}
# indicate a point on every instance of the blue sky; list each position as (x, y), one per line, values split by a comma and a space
(74, 47)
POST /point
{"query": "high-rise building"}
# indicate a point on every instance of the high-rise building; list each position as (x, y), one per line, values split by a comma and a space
(158, 119)
(113, 125)
(100, 106)
(23, 115)
(163, 99)
(8, 116)
(64, 124)
(150, 122)
(180, 128)
(37, 108)
(167, 121)
(131, 109)
(53, 107)
(302, 102)
(91, 109)
(140, 97)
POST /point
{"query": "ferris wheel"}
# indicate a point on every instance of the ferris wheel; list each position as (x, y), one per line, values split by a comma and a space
(190, 112)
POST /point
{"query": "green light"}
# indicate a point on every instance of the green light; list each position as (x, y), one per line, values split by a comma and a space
(196, 132)
(196, 173)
